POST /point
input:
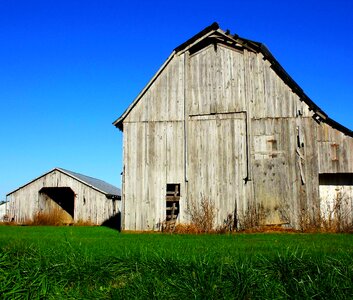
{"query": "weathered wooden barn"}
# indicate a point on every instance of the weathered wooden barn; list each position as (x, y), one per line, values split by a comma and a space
(77, 197)
(222, 120)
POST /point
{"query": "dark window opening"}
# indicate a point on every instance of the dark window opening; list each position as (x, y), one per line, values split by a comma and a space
(173, 189)
(336, 179)
(172, 201)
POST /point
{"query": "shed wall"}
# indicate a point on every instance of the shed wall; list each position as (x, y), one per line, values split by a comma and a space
(90, 205)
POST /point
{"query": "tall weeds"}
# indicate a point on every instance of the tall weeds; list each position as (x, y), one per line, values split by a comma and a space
(201, 215)
(337, 217)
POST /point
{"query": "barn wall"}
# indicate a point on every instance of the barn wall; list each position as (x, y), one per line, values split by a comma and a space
(216, 81)
(274, 170)
(266, 93)
(217, 163)
(90, 205)
(224, 125)
(336, 177)
(285, 177)
(335, 150)
(163, 101)
(153, 157)
(224, 80)
(154, 150)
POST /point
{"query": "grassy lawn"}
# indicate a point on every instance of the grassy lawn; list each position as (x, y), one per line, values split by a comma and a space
(100, 263)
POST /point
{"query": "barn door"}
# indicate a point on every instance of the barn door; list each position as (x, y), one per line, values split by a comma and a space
(217, 162)
(58, 202)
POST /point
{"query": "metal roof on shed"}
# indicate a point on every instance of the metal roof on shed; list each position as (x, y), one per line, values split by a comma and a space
(101, 185)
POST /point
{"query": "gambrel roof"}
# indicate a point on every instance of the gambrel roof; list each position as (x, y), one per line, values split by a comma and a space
(213, 34)
(99, 185)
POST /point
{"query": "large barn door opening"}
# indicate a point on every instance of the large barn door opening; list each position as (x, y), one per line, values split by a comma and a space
(217, 163)
(336, 200)
(59, 201)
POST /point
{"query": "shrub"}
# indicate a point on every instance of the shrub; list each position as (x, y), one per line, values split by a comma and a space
(202, 215)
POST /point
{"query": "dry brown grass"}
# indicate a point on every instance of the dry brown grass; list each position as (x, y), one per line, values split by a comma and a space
(189, 229)
(202, 217)
(84, 223)
(9, 223)
(55, 217)
(337, 218)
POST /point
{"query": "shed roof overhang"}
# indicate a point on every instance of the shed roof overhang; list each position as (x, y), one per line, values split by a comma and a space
(217, 35)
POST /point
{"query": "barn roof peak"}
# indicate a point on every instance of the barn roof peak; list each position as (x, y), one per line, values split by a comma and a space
(215, 34)
(213, 27)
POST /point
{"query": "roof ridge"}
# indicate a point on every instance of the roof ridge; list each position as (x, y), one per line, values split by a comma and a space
(213, 26)
(66, 170)
(83, 178)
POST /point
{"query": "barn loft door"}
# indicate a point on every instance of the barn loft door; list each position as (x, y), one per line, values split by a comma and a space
(217, 162)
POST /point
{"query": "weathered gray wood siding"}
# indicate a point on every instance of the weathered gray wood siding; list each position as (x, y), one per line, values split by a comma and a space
(90, 205)
(224, 80)
(154, 149)
(335, 150)
(224, 125)
(336, 196)
(217, 163)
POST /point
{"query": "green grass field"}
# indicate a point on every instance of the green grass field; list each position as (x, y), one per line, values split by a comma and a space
(100, 263)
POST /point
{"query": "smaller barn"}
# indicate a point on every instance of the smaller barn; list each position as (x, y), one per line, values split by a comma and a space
(77, 197)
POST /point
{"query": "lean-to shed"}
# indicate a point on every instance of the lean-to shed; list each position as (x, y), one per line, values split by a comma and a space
(222, 120)
(75, 196)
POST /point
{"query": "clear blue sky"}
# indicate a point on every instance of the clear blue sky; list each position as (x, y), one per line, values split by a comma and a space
(68, 69)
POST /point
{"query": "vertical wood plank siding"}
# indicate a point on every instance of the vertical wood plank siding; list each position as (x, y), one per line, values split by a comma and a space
(217, 166)
(154, 149)
(335, 151)
(214, 118)
(90, 205)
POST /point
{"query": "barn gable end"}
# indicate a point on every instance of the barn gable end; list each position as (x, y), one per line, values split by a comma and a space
(76, 196)
(222, 120)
